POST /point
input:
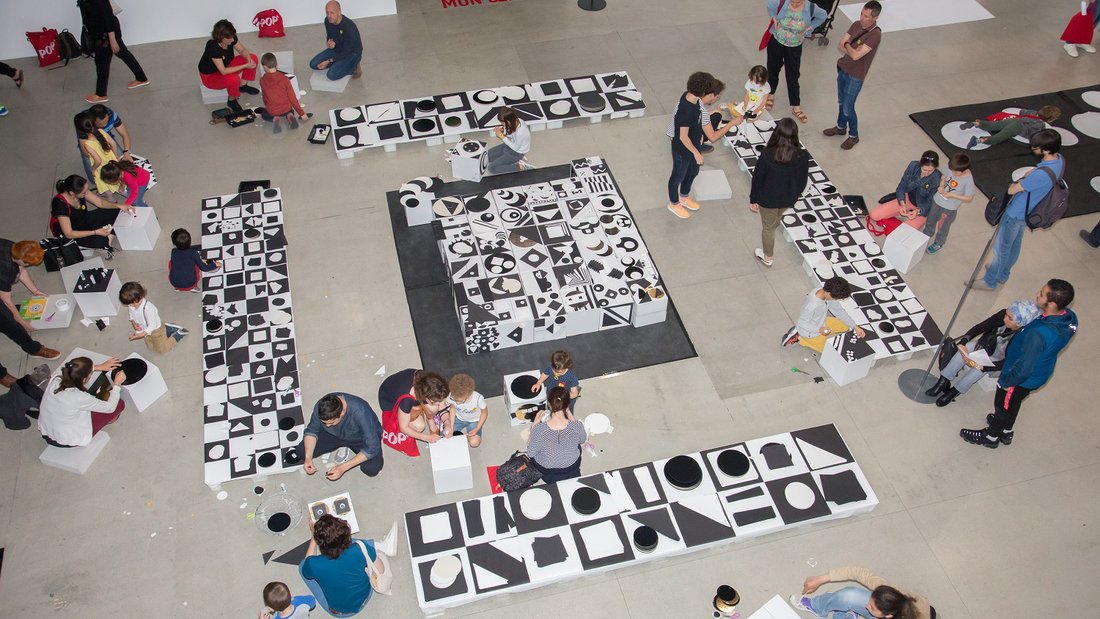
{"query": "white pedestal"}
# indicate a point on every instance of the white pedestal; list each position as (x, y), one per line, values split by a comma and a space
(905, 247)
(513, 402)
(651, 309)
(96, 292)
(149, 389)
(75, 459)
(71, 273)
(54, 316)
(318, 81)
(451, 469)
(846, 358)
(711, 185)
(469, 158)
(212, 97)
(138, 231)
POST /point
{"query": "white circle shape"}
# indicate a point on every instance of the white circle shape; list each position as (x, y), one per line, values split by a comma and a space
(1018, 173)
(535, 503)
(597, 423)
(279, 317)
(1091, 97)
(216, 452)
(1087, 123)
(276, 256)
(872, 249)
(883, 294)
(350, 114)
(285, 383)
(1070, 138)
(217, 375)
(799, 495)
(560, 107)
(512, 92)
(956, 135)
(348, 140)
(445, 570)
(1095, 182)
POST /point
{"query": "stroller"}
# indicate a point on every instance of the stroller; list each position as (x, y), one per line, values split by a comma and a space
(821, 33)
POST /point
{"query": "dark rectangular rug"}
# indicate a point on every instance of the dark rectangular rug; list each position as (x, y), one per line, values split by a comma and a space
(992, 167)
(439, 335)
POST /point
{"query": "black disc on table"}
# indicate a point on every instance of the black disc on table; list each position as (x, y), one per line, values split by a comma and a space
(286, 423)
(423, 124)
(645, 538)
(292, 437)
(733, 463)
(278, 522)
(478, 204)
(683, 472)
(591, 102)
(886, 327)
(521, 386)
(291, 456)
(271, 193)
(135, 370)
(252, 233)
(426, 105)
(266, 459)
(453, 121)
(258, 489)
(471, 147)
(586, 501)
(214, 325)
(878, 263)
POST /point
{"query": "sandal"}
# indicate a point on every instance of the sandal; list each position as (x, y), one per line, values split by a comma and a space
(18, 78)
(801, 116)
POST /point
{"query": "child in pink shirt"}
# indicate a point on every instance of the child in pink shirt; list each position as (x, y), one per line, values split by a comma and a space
(122, 172)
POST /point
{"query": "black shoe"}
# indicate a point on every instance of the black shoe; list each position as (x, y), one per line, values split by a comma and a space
(250, 90)
(1006, 435)
(979, 437)
(234, 105)
(966, 126)
(947, 397)
(706, 148)
(941, 385)
(1087, 237)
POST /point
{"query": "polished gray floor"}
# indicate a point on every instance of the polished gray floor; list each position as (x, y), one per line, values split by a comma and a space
(982, 533)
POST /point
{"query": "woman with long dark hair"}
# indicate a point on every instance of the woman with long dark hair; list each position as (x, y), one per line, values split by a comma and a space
(915, 193)
(870, 597)
(516, 138)
(96, 146)
(71, 218)
(69, 416)
(555, 444)
(106, 35)
(778, 180)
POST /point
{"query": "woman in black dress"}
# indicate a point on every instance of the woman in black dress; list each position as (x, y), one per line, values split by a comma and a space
(71, 218)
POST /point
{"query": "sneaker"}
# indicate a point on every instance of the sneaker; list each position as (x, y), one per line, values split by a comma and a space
(764, 260)
(966, 126)
(834, 131)
(137, 84)
(706, 148)
(182, 330)
(292, 120)
(109, 254)
(277, 124)
(3, 111)
(94, 98)
(388, 544)
(678, 210)
(979, 437)
(791, 336)
(1088, 48)
(1006, 435)
(1071, 49)
(933, 248)
(343, 454)
(47, 353)
(974, 141)
(688, 203)
(234, 105)
(249, 89)
(849, 143)
(979, 284)
(802, 602)
(1086, 235)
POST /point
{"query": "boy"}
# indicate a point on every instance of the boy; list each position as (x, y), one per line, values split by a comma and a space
(814, 323)
(144, 317)
(279, 605)
(956, 188)
(468, 408)
(280, 100)
(561, 371)
(1026, 124)
(185, 263)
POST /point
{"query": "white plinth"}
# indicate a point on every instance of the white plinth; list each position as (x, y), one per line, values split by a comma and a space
(55, 316)
(318, 81)
(841, 369)
(513, 402)
(103, 302)
(149, 389)
(711, 185)
(451, 469)
(650, 309)
(905, 247)
(75, 459)
(212, 97)
(71, 273)
(468, 160)
(138, 231)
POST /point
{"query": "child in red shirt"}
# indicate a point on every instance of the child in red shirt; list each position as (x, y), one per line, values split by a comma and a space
(280, 100)
(135, 179)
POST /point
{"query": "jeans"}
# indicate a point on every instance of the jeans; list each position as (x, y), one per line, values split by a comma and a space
(503, 159)
(1000, 130)
(327, 443)
(780, 56)
(315, 589)
(467, 427)
(103, 56)
(140, 199)
(684, 170)
(846, 600)
(1006, 250)
(339, 68)
(847, 89)
(945, 217)
(962, 376)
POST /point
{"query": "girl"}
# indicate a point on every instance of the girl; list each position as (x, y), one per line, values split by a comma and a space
(778, 180)
(70, 217)
(555, 446)
(756, 92)
(509, 156)
(96, 146)
(915, 193)
(69, 416)
(136, 179)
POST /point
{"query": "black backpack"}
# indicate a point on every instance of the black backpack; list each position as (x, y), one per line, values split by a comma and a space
(1053, 205)
(68, 46)
(86, 42)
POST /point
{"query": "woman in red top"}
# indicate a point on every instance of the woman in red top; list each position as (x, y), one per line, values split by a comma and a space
(135, 178)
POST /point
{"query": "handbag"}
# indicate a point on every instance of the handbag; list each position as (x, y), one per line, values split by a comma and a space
(948, 348)
(382, 582)
(995, 209)
(59, 253)
(270, 23)
(764, 40)
(882, 227)
(517, 473)
(392, 436)
(45, 46)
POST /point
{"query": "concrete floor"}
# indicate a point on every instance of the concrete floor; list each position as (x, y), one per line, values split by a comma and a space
(982, 533)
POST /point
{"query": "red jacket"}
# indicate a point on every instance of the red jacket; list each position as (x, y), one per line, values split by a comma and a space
(279, 95)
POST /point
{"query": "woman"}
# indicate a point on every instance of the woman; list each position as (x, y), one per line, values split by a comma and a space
(992, 336)
(97, 148)
(555, 445)
(335, 567)
(791, 21)
(70, 217)
(69, 416)
(509, 156)
(1078, 32)
(778, 180)
(915, 193)
(872, 598)
(420, 400)
(106, 36)
(226, 64)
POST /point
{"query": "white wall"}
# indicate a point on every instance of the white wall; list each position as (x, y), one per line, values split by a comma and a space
(144, 21)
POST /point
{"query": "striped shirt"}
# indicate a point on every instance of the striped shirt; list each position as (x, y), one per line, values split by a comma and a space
(556, 449)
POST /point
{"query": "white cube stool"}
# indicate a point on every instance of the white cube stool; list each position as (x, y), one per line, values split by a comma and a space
(75, 459)
(318, 81)
(905, 247)
(847, 358)
(71, 273)
(650, 307)
(521, 399)
(286, 65)
(212, 97)
(149, 389)
(711, 185)
(96, 292)
(138, 231)
(469, 158)
(451, 469)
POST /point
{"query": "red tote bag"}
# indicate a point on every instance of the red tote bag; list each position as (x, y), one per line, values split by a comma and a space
(46, 46)
(270, 23)
(392, 435)
(768, 31)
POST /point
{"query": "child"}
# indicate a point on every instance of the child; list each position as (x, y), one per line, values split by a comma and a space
(814, 323)
(955, 189)
(280, 100)
(123, 172)
(1025, 124)
(511, 155)
(756, 93)
(468, 407)
(185, 263)
(560, 371)
(145, 319)
(279, 605)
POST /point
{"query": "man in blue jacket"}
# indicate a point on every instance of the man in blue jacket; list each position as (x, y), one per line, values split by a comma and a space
(343, 420)
(1029, 362)
(344, 47)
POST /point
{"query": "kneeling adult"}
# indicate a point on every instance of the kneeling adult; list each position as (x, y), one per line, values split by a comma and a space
(69, 416)
(344, 420)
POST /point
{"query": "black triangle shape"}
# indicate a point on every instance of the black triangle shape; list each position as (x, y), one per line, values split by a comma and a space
(267, 556)
(659, 520)
(699, 529)
(295, 555)
(595, 482)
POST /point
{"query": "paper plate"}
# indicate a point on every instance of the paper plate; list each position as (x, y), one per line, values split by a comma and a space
(349, 114)
(445, 570)
(535, 503)
(597, 423)
(62, 304)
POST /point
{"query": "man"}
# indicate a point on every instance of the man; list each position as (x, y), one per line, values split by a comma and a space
(1029, 363)
(1026, 193)
(344, 420)
(858, 48)
(345, 47)
(688, 128)
(14, 260)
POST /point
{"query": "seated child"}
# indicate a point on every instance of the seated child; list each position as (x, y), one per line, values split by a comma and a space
(280, 100)
(468, 407)
(956, 187)
(560, 373)
(279, 605)
(186, 263)
(144, 317)
(814, 323)
(756, 93)
(1026, 124)
(135, 179)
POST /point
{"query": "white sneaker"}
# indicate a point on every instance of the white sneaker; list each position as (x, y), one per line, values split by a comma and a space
(800, 602)
(1088, 48)
(1071, 49)
(764, 260)
(389, 543)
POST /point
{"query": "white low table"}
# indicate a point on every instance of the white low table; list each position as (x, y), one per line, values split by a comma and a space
(469, 158)
(55, 317)
(149, 389)
(71, 273)
(513, 402)
(138, 231)
(451, 468)
(847, 358)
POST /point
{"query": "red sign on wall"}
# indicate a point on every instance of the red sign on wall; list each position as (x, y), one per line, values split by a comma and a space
(447, 4)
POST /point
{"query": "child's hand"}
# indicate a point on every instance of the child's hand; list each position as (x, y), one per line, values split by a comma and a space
(137, 335)
(266, 613)
(859, 332)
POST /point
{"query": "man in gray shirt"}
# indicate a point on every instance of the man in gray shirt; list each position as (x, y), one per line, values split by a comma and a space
(814, 323)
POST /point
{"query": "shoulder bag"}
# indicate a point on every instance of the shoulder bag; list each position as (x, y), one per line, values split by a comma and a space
(382, 582)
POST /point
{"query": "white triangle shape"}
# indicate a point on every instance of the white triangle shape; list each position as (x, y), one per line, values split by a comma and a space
(487, 579)
(817, 457)
(707, 505)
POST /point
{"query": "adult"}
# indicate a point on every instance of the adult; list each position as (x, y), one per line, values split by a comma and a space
(96, 147)
(1026, 193)
(791, 21)
(1078, 32)
(871, 598)
(69, 416)
(14, 260)
(1029, 363)
(778, 180)
(226, 64)
(344, 46)
(70, 217)
(858, 47)
(915, 193)
(419, 416)
(991, 336)
(105, 119)
(16, 76)
(555, 445)
(715, 122)
(106, 36)
(335, 567)
(343, 420)
(689, 130)
(515, 137)
(1092, 239)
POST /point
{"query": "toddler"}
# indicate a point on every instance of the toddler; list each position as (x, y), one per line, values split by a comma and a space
(185, 264)
(278, 604)
(756, 93)
(560, 374)
(144, 317)
(468, 407)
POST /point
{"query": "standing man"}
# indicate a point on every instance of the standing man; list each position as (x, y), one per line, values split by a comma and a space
(344, 420)
(14, 260)
(858, 48)
(1092, 238)
(345, 47)
(1026, 193)
(1029, 363)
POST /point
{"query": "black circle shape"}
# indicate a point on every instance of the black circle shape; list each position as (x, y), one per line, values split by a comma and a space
(453, 121)
(591, 102)
(683, 472)
(485, 97)
(645, 538)
(265, 422)
(886, 327)
(586, 501)
(252, 233)
(266, 459)
(733, 463)
(828, 189)
(809, 218)
(213, 325)
(258, 489)
(291, 456)
(278, 522)
(878, 263)
(471, 147)
(521, 386)
(286, 423)
(478, 204)
(426, 105)
(728, 595)
(135, 370)
(271, 193)
(291, 437)
(423, 125)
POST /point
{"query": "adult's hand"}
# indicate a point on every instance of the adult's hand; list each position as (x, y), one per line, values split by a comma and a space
(120, 377)
(104, 231)
(335, 472)
(309, 469)
(127, 157)
(109, 364)
(432, 437)
(812, 583)
(860, 332)
(699, 158)
(250, 64)
(330, 44)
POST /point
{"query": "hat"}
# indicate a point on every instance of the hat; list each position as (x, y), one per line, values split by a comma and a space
(1024, 312)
